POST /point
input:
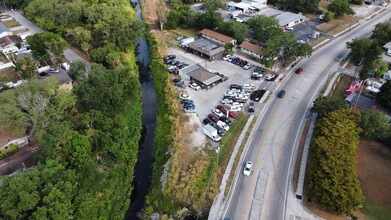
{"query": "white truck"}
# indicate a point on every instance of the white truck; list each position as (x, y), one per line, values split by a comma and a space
(211, 132)
(186, 41)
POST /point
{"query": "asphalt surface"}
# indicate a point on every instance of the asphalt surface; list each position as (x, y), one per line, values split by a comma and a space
(273, 145)
(23, 159)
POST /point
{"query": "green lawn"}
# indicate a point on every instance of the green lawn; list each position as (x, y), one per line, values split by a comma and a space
(11, 23)
(341, 86)
(373, 211)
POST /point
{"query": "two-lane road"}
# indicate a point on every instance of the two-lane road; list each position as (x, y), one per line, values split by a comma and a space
(273, 144)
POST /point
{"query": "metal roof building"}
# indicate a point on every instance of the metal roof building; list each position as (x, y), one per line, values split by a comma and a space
(196, 73)
(207, 49)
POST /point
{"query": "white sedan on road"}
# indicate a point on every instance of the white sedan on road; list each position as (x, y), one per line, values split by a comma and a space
(247, 168)
(194, 86)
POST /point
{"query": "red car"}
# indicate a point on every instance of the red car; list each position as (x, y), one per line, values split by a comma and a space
(224, 111)
(213, 117)
(299, 70)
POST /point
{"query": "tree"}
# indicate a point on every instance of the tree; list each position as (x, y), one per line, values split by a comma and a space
(328, 16)
(77, 71)
(209, 19)
(234, 29)
(311, 6)
(340, 8)
(76, 150)
(264, 27)
(212, 5)
(173, 19)
(382, 33)
(332, 178)
(374, 124)
(359, 48)
(47, 46)
(384, 96)
(324, 105)
(162, 14)
(372, 58)
(26, 67)
(17, 3)
(79, 35)
(12, 118)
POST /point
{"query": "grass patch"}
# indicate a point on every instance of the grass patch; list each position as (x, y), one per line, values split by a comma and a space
(376, 212)
(342, 83)
(191, 32)
(335, 26)
(11, 23)
(237, 158)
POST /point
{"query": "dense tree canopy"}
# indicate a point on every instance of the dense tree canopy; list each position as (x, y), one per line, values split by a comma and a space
(264, 27)
(340, 8)
(212, 5)
(47, 46)
(209, 19)
(303, 6)
(26, 67)
(333, 181)
(374, 124)
(384, 96)
(234, 29)
(382, 33)
(325, 105)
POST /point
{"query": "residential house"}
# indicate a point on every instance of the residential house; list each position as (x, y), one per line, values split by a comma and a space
(8, 44)
(217, 37)
(252, 49)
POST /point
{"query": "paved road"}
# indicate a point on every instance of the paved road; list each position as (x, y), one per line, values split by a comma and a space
(263, 195)
(23, 159)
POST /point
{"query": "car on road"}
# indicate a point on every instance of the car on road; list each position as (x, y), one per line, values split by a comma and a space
(184, 96)
(281, 94)
(299, 70)
(53, 70)
(248, 66)
(194, 86)
(247, 169)
(251, 107)
(213, 117)
(217, 112)
(270, 77)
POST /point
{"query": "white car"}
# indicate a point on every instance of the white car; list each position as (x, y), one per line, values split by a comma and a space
(247, 168)
(230, 93)
(227, 57)
(248, 86)
(226, 101)
(248, 66)
(270, 77)
(184, 96)
(53, 70)
(241, 96)
(223, 125)
(235, 90)
(194, 86)
(289, 28)
(301, 41)
(217, 112)
(236, 109)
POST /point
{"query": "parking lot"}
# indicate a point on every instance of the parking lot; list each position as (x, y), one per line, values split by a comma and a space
(206, 99)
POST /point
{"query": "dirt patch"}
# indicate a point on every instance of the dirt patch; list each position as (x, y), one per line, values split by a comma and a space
(81, 53)
(9, 75)
(374, 170)
(150, 13)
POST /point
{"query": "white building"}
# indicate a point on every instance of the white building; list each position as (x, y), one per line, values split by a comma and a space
(289, 19)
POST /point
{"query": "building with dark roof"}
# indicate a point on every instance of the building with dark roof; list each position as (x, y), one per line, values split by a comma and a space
(206, 49)
(201, 76)
(252, 49)
(217, 37)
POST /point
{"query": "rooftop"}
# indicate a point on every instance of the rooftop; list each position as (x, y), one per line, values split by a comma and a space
(287, 17)
(387, 46)
(7, 40)
(217, 36)
(252, 47)
(202, 75)
(206, 47)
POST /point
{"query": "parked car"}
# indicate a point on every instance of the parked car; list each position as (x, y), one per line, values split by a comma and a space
(189, 105)
(251, 107)
(226, 120)
(226, 101)
(225, 111)
(179, 38)
(170, 57)
(44, 73)
(220, 130)
(281, 94)
(235, 86)
(184, 101)
(184, 96)
(213, 117)
(223, 125)
(227, 57)
(172, 69)
(175, 80)
(259, 70)
(270, 77)
(244, 63)
(169, 62)
(207, 121)
(217, 112)
(289, 28)
(240, 100)
(256, 76)
(248, 168)
(224, 78)
(53, 70)
(248, 86)
(189, 110)
(248, 66)
(299, 70)
(180, 84)
(194, 86)
(236, 108)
